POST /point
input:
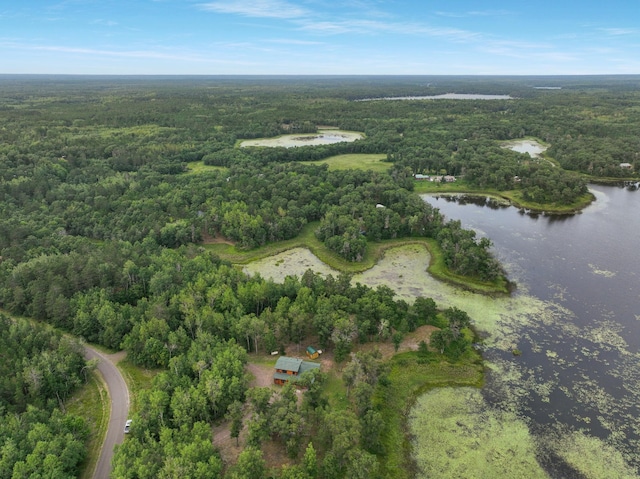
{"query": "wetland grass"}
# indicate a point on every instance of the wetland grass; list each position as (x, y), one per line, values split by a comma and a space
(375, 251)
(411, 375)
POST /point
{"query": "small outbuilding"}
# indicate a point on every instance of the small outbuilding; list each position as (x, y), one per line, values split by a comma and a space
(312, 353)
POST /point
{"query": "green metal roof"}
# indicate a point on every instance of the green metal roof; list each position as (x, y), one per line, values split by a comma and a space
(288, 364)
(311, 350)
(307, 366)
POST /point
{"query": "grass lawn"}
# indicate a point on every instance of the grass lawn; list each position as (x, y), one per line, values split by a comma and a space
(356, 161)
(91, 402)
(137, 379)
(336, 391)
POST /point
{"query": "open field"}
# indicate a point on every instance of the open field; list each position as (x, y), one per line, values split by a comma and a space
(356, 161)
(199, 167)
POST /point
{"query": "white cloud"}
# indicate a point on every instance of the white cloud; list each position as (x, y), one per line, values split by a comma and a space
(374, 27)
(108, 23)
(489, 13)
(475, 13)
(619, 31)
(257, 8)
(150, 54)
(291, 41)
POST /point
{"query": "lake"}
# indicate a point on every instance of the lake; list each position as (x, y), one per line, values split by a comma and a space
(323, 137)
(577, 380)
(445, 96)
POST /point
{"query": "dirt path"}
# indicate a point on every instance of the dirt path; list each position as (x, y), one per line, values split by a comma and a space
(262, 374)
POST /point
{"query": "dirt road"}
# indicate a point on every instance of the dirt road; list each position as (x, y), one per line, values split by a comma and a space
(119, 395)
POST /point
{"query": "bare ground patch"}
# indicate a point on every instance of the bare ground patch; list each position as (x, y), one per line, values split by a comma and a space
(410, 342)
(208, 239)
(262, 376)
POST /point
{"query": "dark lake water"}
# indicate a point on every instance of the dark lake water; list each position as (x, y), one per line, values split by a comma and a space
(587, 357)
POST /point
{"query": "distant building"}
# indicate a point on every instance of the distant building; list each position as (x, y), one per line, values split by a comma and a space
(290, 369)
(626, 166)
(420, 177)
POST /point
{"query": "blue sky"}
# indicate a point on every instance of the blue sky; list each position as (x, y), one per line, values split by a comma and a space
(378, 37)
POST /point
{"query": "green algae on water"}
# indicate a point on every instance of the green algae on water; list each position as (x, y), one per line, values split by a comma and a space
(456, 435)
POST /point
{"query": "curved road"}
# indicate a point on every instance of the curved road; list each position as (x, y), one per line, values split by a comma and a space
(119, 394)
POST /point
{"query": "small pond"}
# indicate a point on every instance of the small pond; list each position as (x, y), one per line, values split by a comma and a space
(323, 137)
(532, 147)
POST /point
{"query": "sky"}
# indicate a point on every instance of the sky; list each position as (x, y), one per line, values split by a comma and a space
(319, 37)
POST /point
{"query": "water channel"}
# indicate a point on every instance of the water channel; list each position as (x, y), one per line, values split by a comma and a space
(579, 368)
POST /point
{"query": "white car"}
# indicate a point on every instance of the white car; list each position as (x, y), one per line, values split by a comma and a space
(127, 426)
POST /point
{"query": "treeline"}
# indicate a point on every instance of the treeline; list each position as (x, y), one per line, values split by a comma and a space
(154, 301)
(39, 369)
(249, 204)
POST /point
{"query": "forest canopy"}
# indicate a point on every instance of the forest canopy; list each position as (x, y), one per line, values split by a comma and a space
(109, 187)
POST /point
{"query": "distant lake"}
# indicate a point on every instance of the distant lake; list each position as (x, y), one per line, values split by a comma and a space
(445, 96)
(323, 137)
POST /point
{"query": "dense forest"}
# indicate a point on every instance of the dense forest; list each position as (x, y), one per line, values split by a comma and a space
(39, 369)
(110, 186)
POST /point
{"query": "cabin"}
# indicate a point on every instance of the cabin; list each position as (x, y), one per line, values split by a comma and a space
(289, 369)
(312, 353)
(420, 177)
(626, 166)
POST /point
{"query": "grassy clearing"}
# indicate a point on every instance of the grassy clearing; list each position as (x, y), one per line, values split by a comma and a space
(412, 375)
(263, 359)
(137, 379)
(199, 167)
(336, 391)
(356, 161)
(91, 403)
